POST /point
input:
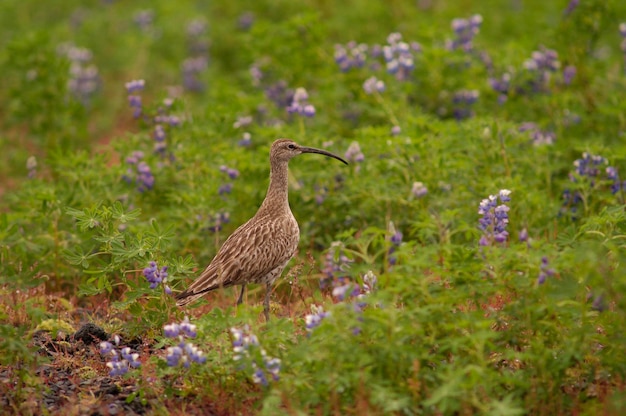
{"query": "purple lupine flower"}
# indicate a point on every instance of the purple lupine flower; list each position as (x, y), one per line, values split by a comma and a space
(396, 240)
(464, 30)
(134, 100)
(612, 175)
(523, 235)
(154, 275)
(231, 172)
(588, 166)
(144, 19)
(135, 86)
(418, 189)
(545, 271)
(84, 79)
(398, 56)
(354, 154)
(373, 84)
(314, 319)
(495, 218)
(539, 137)
(502, 86)
(243, 342)
(540, 66)
(599, 304)
(350, 55)
(300, 104)
(141, 175)
(622, 32)
(225, 188)
(246, 140)
(463, 101)
(242, 121)
(183, 353)
(569, 72)
(191, 69)
(571, 6)
(119, 361)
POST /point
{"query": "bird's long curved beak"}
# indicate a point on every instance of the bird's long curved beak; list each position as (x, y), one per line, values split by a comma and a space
(321, 152)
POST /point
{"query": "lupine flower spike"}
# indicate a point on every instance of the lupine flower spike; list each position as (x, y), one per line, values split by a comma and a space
(495, 218)
(184, 353)
(120, 361)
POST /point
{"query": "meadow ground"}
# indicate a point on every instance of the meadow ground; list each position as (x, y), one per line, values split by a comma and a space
(469, 260)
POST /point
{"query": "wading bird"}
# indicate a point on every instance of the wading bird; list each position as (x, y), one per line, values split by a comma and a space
(258, 251)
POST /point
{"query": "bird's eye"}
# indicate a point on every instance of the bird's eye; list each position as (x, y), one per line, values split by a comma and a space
(291, 146)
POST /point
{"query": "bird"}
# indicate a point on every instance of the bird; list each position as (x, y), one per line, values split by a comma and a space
(258, 251)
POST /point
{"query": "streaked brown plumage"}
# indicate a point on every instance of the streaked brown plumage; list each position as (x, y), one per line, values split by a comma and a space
(258, 251)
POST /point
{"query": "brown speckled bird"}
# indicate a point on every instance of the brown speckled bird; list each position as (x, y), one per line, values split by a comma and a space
(258, 251)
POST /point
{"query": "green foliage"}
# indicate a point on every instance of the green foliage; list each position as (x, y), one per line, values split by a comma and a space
(532, 325)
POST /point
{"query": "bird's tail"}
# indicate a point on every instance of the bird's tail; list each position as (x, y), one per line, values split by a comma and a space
(186, 297)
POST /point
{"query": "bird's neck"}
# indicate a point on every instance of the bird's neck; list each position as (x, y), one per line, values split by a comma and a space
(277, 193)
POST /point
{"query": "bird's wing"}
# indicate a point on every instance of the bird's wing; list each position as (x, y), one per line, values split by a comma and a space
(250, 253)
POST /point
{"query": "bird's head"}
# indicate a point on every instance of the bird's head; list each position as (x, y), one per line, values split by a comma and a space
(284, 149)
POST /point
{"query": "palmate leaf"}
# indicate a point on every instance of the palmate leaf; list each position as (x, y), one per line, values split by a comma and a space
(162, 237)
(86, 219)
(118, 212)
(78, 257)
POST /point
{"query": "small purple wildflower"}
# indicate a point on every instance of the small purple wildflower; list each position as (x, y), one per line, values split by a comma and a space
(418, 190)
(396, 130)
(354, 154)
(231, 172)
(351, 55)
(396, 240)
(540, 66)
(501, 86)
(622, 32)
(571, 7)
(120, 361)
(539, 137)
(523, 235)
(134, 100)
(141, 175)
(398, 56)
(245, 21)
(314, 319)
(569, 72)
(183, 353)
(545, 271)
(246, 140)
(84, 78)
(156, 276)
(495, 218)
(191, 69)
(300, 104)
(244, 342)
(242, 121)
(225, 188)
(144, 19)
(373, 84)
(599, 304)
(464, 30)
(463, 101)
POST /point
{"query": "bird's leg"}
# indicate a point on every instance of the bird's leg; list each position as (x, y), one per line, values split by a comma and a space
(266, 302)
(243, 287)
